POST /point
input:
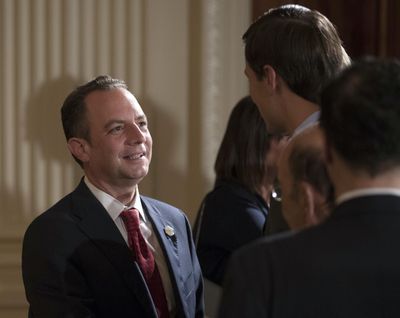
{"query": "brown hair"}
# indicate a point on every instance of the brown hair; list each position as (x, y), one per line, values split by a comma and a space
(241, 156)
(302, 45)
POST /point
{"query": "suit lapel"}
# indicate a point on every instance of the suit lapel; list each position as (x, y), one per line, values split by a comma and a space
(170, 246)
(95, 222)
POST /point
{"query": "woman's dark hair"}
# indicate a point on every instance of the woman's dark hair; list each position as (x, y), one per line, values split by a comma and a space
(241, 156)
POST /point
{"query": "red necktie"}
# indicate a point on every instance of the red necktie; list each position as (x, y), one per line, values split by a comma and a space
(144, 257)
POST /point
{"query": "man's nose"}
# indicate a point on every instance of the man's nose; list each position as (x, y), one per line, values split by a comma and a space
(135, 135)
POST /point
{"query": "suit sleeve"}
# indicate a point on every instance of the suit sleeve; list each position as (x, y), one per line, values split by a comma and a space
(54, 286)
(247, 286)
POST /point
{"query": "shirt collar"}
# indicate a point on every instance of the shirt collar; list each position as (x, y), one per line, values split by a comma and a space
(366, 192)
(112, 205)
(309, 121)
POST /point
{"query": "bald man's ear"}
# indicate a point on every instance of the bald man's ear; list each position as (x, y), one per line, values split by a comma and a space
(79, 148)
(309, 203)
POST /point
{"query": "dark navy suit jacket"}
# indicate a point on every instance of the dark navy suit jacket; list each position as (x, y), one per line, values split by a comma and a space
(76, 263)
(232, 216)
(349, 266)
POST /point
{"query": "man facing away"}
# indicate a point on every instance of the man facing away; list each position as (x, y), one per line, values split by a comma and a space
(349, 265)
(307, 191)
(307, 194)
(291, 52)
(104, 250)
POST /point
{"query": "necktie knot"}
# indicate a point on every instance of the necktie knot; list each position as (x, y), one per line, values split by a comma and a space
(131, 219)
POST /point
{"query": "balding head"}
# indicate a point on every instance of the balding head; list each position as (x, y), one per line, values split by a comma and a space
(307, 193)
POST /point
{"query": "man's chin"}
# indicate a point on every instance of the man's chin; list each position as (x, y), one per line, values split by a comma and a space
(138, 175)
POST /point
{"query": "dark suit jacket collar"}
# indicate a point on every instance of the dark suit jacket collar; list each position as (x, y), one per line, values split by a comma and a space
(368, 204)
(96, 223)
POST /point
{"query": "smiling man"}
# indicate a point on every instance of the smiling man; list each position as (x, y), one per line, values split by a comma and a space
(104, 250)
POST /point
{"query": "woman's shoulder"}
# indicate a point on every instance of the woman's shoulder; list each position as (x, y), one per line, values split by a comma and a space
(229, 192)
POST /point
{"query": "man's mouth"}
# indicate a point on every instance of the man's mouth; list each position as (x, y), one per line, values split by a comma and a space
(134, 156)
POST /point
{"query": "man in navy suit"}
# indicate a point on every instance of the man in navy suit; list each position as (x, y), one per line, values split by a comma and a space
(76, 261)
(349, 265)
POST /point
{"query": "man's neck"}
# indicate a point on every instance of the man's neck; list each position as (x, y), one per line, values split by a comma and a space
(298, 110)
(346, 178)
(311, 120)
(352, 183)
(125, 194)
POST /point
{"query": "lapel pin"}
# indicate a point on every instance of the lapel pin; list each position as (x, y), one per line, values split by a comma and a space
(169, 231)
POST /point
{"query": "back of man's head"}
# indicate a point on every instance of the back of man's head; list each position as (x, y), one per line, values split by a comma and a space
(307, 191)
(302, 46)
(360, 115)
(307, 163)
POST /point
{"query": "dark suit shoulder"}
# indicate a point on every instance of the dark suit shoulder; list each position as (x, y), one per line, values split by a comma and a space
(165, 209)
(227, 198)
(351, 258)
(59, 224)
(62, 209)
(158, 203)
(232, 190)
(58, 212)
(264, 243)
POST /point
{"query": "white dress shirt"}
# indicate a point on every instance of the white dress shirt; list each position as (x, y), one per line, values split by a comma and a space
(308, 122)
(114, 208)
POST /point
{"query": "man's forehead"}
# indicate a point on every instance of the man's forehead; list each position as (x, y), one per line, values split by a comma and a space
(114, 96)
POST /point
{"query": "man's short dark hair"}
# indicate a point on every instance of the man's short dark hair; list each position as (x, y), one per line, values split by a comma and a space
(73, 110)
(360, 115)
(302, 45)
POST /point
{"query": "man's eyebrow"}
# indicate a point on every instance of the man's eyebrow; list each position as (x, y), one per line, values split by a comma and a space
(121, 121)
(113, 122)
(141, 117)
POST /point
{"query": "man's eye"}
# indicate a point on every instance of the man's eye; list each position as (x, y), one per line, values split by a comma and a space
(116, 129)
(143, 123)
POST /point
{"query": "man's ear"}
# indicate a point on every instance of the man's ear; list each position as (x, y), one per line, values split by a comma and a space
(79, 148)
(308, 204)
(271, 77)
